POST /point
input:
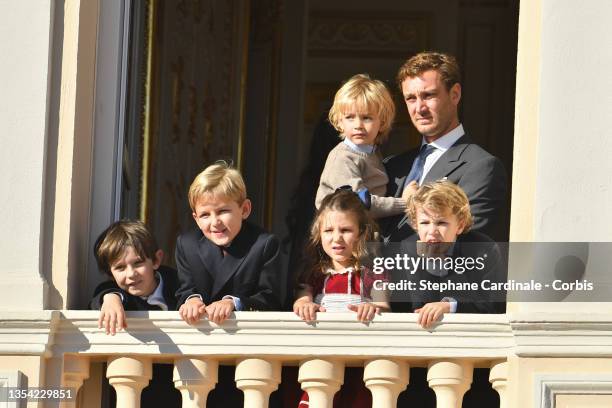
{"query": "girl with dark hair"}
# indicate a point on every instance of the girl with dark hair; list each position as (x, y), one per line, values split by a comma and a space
(335, 277)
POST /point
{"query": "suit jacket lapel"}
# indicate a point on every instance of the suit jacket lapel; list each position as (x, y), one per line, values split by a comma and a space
(232, 260)
(207, 253)
(448, 162)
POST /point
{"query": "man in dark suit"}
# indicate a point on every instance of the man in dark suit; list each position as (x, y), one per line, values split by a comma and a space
(430, 85)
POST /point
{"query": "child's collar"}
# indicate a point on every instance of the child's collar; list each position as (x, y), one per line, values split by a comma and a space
(350, 269)
(367, 149)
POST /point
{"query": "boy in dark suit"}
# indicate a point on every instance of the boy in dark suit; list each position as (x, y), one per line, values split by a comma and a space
(128, 253)
(440, 214)
(227, 263)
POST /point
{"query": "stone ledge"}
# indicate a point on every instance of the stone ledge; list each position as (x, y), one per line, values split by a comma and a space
(28, 332)
(282, 334)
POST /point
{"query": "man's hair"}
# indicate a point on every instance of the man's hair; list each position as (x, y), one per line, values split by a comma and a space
(439, 197)
(118, 237)
(219, 179)
(446, 65)
(368, 96)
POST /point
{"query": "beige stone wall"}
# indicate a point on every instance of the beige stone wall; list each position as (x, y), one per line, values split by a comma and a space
(31, 366)
(561, 154)
(25, 29)
(563, 105)
(581, 373)
(70, 246)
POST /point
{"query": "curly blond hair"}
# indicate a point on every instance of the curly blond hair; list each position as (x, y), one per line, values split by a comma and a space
(440, 197)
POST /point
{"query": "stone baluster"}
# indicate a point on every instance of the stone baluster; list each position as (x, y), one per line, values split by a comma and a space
(75, 371)
(449, 380)
(321, 379)
(257, 378)
(195, 378)
(498, 377)
(385, 379)
(128, 375)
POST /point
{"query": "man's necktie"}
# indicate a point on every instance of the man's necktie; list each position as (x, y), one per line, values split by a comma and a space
(416, 172)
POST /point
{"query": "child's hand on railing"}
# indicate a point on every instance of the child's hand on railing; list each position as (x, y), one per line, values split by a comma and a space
(365, 311)
(112, 314)
(220, 310)
(192, 310)
(307, 310)
(431, 312)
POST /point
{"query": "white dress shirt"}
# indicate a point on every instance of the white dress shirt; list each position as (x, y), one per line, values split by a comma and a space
(157, 297)
(441, 144)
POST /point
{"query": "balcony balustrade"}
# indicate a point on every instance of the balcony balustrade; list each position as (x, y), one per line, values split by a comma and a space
(259, 344)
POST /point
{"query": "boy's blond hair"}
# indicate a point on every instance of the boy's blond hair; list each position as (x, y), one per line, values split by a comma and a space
(112, 243)
(369, 96)
(219, 179)
(439, 197)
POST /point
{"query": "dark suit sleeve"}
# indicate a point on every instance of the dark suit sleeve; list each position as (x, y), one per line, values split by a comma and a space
(480, 301)
(103, 289)
(170, 279)
(401, 301)
(268, 293)
(185, 272)
(484, 182)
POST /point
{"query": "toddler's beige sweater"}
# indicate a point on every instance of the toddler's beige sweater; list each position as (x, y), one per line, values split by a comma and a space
(345, 166)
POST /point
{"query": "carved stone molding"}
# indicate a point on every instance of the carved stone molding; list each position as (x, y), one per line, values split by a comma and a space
(334, 34)
(549, 386)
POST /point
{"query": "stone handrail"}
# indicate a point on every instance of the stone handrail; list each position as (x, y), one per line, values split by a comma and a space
(284, 335)
(259, 343)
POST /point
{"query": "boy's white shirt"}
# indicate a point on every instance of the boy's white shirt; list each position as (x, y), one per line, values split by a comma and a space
(157, 297)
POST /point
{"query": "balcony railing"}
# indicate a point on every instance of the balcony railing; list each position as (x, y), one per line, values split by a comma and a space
(260, 343)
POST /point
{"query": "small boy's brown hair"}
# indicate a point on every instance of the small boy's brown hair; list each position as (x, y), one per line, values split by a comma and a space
(369, 96)
(439, 197)
(218, 179)
(115, 240)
